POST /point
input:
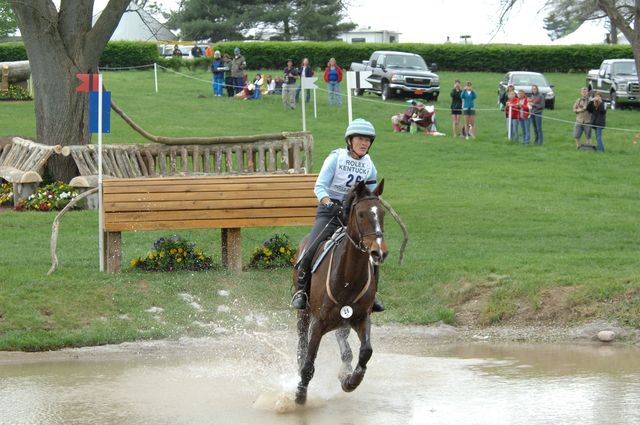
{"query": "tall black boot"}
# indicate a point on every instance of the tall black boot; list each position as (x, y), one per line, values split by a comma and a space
(299, 299)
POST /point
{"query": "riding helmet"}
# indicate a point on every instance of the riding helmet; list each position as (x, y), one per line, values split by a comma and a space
(360, 127)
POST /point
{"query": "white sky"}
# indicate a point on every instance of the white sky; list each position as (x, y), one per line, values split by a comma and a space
(431, 21)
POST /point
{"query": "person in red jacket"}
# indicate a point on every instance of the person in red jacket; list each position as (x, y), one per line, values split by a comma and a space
(333, 77)
(524, 117)
(512, 111)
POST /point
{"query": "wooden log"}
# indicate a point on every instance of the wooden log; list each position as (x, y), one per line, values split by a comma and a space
(251, 159)
(229, 158)
(162, 162)
(271, 166)
(284, 157)
(18, 71)
(142, 166)
(80, 163)
(184, 160)
(4, 151)
(196, 161)
(42, 161)
(172, 156)
(150, 163)
(114, 164)
(296, 156)
(29, 158)
(112, 251)
(218, 153)
(261, 160)
(108, 168)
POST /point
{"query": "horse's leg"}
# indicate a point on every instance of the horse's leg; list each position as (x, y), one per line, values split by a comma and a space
(351, 382)
(345, 352)
(308, 368)
(303, 336)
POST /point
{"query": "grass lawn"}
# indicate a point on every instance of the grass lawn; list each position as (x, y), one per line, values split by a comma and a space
(498, 231)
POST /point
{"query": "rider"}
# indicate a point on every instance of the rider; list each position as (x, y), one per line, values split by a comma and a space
(342, 170)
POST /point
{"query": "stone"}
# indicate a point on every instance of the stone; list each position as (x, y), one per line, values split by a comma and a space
(606, 336)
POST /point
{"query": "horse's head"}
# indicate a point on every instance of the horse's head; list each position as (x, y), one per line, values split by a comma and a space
(364, 216)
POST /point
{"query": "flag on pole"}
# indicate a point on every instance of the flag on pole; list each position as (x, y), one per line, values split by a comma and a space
(91, 83)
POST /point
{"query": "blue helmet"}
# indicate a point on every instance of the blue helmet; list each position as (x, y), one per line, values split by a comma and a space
(236, 50)
(360, 127)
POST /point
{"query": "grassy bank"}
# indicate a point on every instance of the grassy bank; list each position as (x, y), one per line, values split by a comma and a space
(498, 232)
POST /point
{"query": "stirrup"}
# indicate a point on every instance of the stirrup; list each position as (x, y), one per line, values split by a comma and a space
(299, 300)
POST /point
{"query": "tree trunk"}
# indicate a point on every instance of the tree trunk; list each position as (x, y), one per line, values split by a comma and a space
(61, 43)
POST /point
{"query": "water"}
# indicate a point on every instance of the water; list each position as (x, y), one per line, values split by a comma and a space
(249, 378)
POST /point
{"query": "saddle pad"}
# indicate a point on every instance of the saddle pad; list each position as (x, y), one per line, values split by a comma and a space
(337, 236)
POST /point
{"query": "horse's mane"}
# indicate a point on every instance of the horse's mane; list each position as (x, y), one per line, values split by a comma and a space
(360, 190)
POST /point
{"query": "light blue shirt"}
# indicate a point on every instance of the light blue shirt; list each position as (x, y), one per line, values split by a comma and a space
(340, 173)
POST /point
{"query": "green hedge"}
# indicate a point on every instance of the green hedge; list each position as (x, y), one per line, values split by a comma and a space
(449, 57)
(10, 52)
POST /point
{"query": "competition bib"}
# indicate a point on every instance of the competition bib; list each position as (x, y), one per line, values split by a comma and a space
(350, 172)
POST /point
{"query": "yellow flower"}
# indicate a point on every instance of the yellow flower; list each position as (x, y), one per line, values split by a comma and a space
(161, 254)
(282, 249)
(173, 251)
(150, 256)
(184, 253)
(180, 250)
(179, 259)
(133, 262)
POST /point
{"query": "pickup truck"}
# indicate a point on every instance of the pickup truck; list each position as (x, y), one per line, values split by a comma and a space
(398, 73)
(616, 81)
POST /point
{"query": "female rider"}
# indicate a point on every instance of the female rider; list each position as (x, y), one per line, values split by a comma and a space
(341, 171)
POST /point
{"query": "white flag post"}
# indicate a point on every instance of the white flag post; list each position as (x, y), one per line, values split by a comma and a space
(509, 123)
(315, 105)
(356, 80)
(155, 75)
(100, 206)
(306, 83)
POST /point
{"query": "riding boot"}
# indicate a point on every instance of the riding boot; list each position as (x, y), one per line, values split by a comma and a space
(299, 299)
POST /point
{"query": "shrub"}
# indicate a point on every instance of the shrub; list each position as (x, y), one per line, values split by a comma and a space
(274, 253)
(172, 254)
(15, 93)
(6, 193)
(53, 196)
(128, 54)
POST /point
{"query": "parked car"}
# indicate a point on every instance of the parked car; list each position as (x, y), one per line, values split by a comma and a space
(523, 80)
(617, 82)
(398, 73)
(166, 50)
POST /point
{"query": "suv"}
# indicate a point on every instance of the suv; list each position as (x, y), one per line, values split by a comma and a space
(616, 81)
(523, 80)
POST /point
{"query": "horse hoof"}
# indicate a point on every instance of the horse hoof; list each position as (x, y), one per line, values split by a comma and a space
(346, 386)
(301, 398)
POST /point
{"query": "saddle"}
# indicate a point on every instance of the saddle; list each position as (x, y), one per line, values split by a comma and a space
(331, 243)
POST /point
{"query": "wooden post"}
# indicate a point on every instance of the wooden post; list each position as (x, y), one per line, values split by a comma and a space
(231, 249)
(112, 251)
(5, 77)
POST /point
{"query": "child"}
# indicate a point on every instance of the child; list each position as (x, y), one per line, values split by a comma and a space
(524, 117)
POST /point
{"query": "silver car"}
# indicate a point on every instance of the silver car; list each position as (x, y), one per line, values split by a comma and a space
(523, 80)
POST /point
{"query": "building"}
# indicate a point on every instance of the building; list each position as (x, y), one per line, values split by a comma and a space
(367, 35)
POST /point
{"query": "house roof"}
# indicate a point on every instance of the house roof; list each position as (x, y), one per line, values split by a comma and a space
(137, 24)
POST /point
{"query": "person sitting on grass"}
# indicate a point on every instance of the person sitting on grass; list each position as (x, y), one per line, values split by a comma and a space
(417, 117)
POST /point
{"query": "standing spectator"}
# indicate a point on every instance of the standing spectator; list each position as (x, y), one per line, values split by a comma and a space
(218, 69)
(504, 97)
(177, 53)
(598, 112)
(307, 72)
(196, 51)
(228, 79)
(512, 112)
(333, 77)
(238, 65)
(536, 103)
(456, 108)
(469, 109)
(289, 85)
(583, 117)
(270, 84)
(524, 117)
(208, 52)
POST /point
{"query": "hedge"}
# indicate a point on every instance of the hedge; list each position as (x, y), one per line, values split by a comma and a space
(449, 57)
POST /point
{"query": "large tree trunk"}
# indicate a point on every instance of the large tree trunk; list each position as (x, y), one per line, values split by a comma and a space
(60, 44)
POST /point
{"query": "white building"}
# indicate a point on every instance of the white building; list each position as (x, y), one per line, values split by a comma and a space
(138, 25)
(367, 35)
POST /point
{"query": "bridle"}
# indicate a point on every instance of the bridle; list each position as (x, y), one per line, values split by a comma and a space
(360, 244)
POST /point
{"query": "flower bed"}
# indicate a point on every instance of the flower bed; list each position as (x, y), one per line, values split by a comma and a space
(171, 254)
(274, 253)
(53, 196)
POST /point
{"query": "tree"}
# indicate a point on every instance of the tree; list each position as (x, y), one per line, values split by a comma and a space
(623, 14)
(7, 19)
(60, 44)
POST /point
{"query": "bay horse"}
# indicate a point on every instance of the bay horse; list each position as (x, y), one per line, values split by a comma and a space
(343, 289)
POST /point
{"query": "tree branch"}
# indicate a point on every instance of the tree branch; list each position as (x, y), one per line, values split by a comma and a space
(102, 31)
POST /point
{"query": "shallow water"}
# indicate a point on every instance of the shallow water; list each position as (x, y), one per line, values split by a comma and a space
(250, 378)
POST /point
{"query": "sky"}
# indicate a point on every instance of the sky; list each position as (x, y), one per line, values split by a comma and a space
(432, 21)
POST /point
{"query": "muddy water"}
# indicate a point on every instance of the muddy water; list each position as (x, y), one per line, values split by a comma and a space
(249, 378)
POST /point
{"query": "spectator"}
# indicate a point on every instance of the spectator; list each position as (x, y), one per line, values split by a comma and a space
(208, 52)
(238, 65)
(307, 72)
(333, 77)
(536, 102)
(228, 79)
(289, 85)
(270, 84)
(413, 119)
(524, 117)
(469, 109)
(278, 83)
(512, 112)
(196, 51)
(218, 69)
(504, 97)
(598, 112)
(583, 117)
(177, 53)
(456, 108)
(257, 87)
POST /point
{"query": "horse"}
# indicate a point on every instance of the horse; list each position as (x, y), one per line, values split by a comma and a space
(343, 289)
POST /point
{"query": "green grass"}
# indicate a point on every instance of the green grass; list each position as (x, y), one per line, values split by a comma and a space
(537, 217)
